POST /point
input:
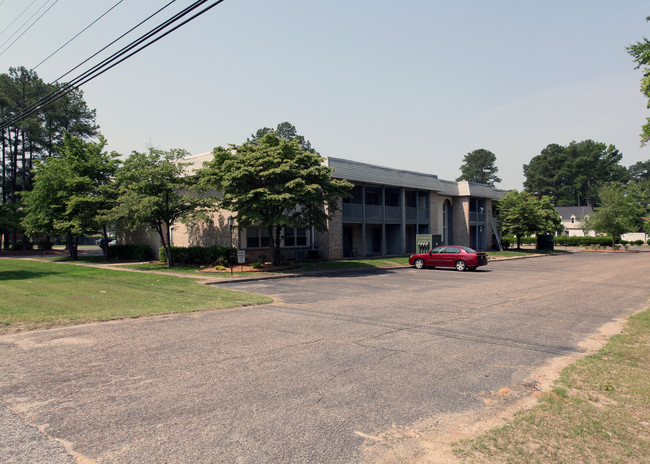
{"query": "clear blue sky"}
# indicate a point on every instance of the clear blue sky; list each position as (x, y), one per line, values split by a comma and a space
(410, 84)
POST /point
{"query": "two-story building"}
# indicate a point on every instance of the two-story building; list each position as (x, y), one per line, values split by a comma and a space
(386, 212)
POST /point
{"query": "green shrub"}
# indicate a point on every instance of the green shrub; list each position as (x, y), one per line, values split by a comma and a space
(256, 264)
(130, 252)
(583, 241)
(19, 246)
(637, 242)
(505, 243)
(213, 255)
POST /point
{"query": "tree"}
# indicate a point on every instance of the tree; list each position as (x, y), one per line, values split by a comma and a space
(154, 190)
(522, 214)
(274, 183)
(571, 175)
(286, 131)
(35, 137)
(478, 166)
(619, 213)
(640, 51)
(640, 171)
(68, 195)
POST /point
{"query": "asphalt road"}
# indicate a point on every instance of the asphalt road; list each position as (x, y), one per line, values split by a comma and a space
(309, 378)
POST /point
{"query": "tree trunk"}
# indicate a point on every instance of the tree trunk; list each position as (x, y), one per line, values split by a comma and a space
(275, 244)
(166, 244)
(518, 242)
(105, 235)
(4, 168)
(23, 183)
(73, 242)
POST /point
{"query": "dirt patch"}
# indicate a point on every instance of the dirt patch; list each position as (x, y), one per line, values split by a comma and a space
(612, 251)
(266, 267)
(430, 441)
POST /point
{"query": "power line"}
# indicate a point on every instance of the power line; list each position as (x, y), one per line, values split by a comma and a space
(120, 37)
(30, 26)
(36, 94)
(115, 59)
(78, 34)
(17, 17)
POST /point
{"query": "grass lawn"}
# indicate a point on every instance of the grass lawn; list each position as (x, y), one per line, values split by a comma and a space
(599, 411)
(37, 294)
(304, 266)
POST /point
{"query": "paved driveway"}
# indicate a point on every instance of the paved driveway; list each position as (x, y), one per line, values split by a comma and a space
(313, 377)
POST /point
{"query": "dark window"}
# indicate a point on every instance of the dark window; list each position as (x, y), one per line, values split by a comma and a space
(411, 199)
(252, 238)
(257, 238)
(295, 237)
(301, 236)
(373, 196)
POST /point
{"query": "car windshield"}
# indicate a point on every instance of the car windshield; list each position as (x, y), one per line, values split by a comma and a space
(468, 249)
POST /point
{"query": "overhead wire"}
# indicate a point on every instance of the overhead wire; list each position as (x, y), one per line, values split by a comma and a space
(30, 26)
(77, 34)
(117, 39)
(17, 17)
(115, 59)
(36, 94)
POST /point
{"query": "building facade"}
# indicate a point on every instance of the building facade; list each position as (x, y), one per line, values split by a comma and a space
(388, 210)
(573, 218)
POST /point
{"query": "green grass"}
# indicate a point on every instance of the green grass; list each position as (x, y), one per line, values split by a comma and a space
(163, 267)
(598, 411)
(350, 264)
(37, 294)
(304, 266)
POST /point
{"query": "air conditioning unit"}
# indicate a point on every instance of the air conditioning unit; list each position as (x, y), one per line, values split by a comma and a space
(301, 255)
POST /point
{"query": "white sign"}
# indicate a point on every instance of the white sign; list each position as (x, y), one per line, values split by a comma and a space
(241, 256)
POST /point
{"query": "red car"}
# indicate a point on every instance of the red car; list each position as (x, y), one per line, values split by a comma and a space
(460, 257)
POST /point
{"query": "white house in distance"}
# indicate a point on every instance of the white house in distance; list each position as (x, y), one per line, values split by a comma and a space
(573, 218)
(390, 209)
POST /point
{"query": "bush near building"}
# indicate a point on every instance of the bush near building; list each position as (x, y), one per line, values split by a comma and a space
(200, 256)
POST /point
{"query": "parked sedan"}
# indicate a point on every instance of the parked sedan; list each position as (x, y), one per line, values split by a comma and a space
(460, 257)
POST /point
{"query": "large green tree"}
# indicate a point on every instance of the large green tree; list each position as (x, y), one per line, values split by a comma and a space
(68, 197)
(154, 190)
(640, 51)
(571, 175)
(35, 137)
(478, 166)
(284, 130)
(621, 211)
(522, 214)
(274, 183)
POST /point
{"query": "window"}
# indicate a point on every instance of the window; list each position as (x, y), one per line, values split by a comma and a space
(257, 238)
(295, 237)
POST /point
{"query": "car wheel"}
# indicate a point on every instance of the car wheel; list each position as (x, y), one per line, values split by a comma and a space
(461, 265)
(419, 263)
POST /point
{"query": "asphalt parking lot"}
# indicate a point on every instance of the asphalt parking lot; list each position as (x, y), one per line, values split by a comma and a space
(335, 361)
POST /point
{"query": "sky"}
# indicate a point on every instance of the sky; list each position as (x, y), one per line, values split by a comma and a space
(414, 84)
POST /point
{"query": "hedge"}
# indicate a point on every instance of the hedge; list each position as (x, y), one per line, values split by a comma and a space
(214, 255)
(130, 252)
(566, 241)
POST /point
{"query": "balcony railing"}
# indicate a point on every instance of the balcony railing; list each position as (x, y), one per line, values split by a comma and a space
(393, 214)
(353, 212)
